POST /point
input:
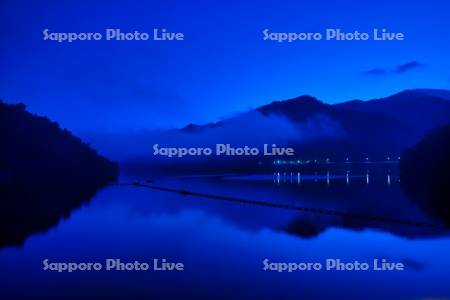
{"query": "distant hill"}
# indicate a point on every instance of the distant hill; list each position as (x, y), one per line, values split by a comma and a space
(378, 127)
(362, 130)
(45, 172)
(420, 110)
(444, 94)
(355, 129)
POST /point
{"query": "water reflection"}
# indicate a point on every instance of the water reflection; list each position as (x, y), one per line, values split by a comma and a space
(219, 239)
(25, 210)
(330, 178)
(375, 200)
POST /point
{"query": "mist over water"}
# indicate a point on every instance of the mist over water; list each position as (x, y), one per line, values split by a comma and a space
(252, 129)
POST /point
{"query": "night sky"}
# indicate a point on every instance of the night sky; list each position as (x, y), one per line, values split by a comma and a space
(222, 67)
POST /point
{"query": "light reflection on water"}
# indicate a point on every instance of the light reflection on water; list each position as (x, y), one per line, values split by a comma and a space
(329, 178)
(223, 244)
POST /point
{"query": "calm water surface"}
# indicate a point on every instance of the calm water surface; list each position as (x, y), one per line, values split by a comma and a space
(223, 244)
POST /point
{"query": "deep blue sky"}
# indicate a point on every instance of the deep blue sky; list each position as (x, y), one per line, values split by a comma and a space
(221, 68)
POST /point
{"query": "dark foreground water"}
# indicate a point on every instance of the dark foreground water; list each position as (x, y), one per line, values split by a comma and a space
(223, 244)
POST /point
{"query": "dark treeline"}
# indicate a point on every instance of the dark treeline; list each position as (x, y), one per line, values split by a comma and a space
(45, 172)
(424, 170)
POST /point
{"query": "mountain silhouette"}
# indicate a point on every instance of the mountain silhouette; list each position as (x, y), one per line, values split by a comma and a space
(380, 127)
(45, 172)
(374, 129)
(420, 110)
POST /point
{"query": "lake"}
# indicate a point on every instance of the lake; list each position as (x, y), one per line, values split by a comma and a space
(227, 233)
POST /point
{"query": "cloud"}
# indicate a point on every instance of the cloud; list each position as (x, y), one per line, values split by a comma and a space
(408, 67)
(375, 71)
(399, 69)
